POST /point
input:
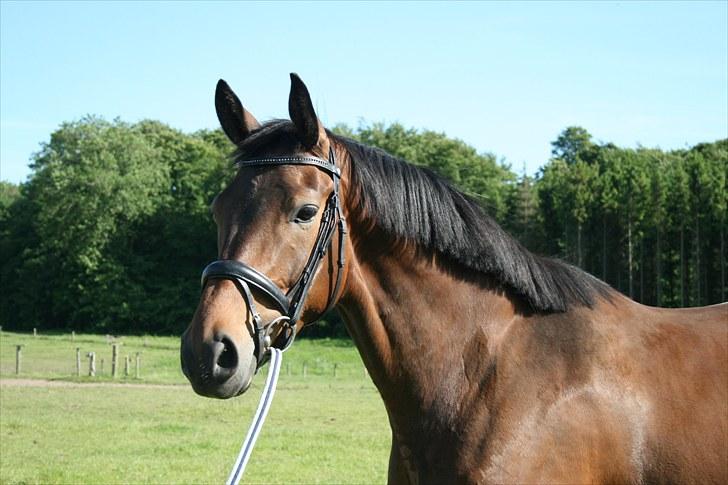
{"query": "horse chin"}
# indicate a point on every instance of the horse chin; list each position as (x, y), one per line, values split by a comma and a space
(236, 385)
(251, 373)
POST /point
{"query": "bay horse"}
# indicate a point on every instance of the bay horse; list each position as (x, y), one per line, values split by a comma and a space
(495, 365)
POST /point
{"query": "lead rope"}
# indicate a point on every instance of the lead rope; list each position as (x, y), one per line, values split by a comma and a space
(269, 389)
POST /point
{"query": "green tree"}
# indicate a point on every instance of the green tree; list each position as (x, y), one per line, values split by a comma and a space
(91, 181)
(706, 166)
(9, 194)
(113, 227)
(554, 201)
(679, 208)
(659, 163)
(522, 219)
(607, 201)
(574, 144)
(171, 245)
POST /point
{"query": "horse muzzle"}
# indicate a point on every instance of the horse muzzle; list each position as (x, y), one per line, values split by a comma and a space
(216, 367)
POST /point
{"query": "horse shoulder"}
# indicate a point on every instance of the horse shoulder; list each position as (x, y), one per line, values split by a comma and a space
(561, 418)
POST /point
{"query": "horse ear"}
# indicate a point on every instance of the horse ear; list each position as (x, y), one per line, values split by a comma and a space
(310, 130)
(236, 121)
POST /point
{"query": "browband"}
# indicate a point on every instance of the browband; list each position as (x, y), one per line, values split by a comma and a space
(287, 160)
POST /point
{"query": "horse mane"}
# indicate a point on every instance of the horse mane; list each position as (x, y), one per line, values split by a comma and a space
(415, 205)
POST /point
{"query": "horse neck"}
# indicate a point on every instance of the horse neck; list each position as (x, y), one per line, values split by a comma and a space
(424, 332)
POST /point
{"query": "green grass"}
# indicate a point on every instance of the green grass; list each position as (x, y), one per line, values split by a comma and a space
(321, 429)
(54, 357)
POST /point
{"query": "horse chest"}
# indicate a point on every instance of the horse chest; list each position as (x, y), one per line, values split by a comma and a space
(433, 458)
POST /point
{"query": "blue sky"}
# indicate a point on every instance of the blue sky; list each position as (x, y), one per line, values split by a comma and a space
(504, 77)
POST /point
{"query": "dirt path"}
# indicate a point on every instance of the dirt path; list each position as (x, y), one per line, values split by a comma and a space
(47, 383)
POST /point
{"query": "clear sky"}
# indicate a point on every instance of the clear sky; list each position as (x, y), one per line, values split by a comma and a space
(504, 77)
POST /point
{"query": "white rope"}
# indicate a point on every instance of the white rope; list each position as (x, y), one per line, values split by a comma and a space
(274, 368)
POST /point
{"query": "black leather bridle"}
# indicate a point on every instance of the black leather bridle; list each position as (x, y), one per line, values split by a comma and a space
(290, 304)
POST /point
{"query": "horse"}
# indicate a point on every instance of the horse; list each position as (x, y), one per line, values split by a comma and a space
(495, 365)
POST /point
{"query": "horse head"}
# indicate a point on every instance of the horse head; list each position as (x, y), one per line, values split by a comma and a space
(280, 263)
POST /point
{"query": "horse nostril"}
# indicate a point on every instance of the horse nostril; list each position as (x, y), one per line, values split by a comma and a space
(228, 358)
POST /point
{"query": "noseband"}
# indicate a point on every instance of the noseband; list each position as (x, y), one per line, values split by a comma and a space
(288, 304)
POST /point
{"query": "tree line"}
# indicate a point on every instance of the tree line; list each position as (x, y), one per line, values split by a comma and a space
(651, 223)
(112, 228)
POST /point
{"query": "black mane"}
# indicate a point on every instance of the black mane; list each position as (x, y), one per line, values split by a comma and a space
(416, 205)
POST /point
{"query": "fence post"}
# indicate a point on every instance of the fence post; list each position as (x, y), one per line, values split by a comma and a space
(114, 360)
(101, 367)
(73, 335)
(18, 358)
(335, 366)
(35, 332)
(91, 364)
(137, 368)
(305, 369)
(126, 366)
(78, 361)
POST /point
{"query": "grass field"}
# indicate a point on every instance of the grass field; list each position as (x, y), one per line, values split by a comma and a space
(321, 428)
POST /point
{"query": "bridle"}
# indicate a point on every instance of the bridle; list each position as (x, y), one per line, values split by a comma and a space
(289, 304)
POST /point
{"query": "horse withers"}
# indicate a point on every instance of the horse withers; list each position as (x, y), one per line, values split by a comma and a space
(495, 365)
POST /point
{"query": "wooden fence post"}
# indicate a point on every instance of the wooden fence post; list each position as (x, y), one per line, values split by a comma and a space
(73, 335)
(35, 332)
(114, 360)
(91, 364)
(137, 368)
(18, 358)
(126, 366)
(78, 361)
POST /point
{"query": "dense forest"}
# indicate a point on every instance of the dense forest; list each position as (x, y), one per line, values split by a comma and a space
(112, 229)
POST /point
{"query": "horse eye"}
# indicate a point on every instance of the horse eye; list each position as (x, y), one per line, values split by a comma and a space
(306, 213)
